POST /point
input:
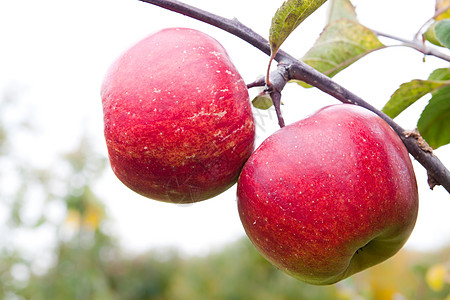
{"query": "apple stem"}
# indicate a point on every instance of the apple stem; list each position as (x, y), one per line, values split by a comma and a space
(276, 99)
(292, 68)
(276, 81)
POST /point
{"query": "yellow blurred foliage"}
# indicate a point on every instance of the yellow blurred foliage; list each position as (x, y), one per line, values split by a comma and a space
(73, 218)
(436, 277)
(389, 279)
(93, 216)
(442, 4)
(90, 219)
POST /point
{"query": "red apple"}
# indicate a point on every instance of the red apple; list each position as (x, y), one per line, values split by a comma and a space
(330, 195)
(178, 121)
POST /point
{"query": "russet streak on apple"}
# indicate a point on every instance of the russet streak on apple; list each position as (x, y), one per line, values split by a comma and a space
(330, 195)
(178, 121)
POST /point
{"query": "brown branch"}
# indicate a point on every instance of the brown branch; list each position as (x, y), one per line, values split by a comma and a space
(232, 26)
(291, 68)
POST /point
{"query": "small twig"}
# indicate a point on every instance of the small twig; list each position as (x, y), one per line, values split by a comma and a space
(257, 83)
(416, 45)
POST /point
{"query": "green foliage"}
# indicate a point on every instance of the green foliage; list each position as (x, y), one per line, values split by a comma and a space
(78, 272)
(430, 35)
(262, 102)
(88, 263)
(235, 272)
(434, 122)
(291, 14)
(341, 9)
(343, 41)
(410, 92)
(75, 275)
(442, 74)
(438, 33)
(442, 30)
(239, 272)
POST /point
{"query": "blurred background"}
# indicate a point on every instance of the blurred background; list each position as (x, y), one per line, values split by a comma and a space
(70, 230)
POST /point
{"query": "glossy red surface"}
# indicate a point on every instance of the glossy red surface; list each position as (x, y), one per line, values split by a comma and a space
(178, 122)
(317, 191)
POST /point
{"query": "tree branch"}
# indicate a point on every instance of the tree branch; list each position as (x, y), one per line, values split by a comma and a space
(291, 68)
(416, 45)
(232, 26)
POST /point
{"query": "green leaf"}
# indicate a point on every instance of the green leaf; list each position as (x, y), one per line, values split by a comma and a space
(262, 102)
(440, 74)
(430, 35)
(288, 17)
(341, 43)
(341, 9)
(434, 123)
(442, 30)
(408, 93)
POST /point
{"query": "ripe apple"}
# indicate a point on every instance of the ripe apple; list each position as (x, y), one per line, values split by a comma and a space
(330, 195)
(177, 116)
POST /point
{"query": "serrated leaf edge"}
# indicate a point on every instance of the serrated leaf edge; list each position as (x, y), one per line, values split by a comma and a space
(405, 85)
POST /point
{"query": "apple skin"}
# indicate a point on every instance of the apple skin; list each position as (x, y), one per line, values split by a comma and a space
(330, 195)
(177, 118)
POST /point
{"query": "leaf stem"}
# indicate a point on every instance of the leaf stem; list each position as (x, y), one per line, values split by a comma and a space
(291, 68)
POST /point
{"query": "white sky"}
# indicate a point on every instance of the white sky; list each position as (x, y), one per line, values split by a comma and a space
(58, 51)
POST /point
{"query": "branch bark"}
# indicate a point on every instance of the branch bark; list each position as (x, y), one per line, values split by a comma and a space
(416, 45)
(291, 68)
